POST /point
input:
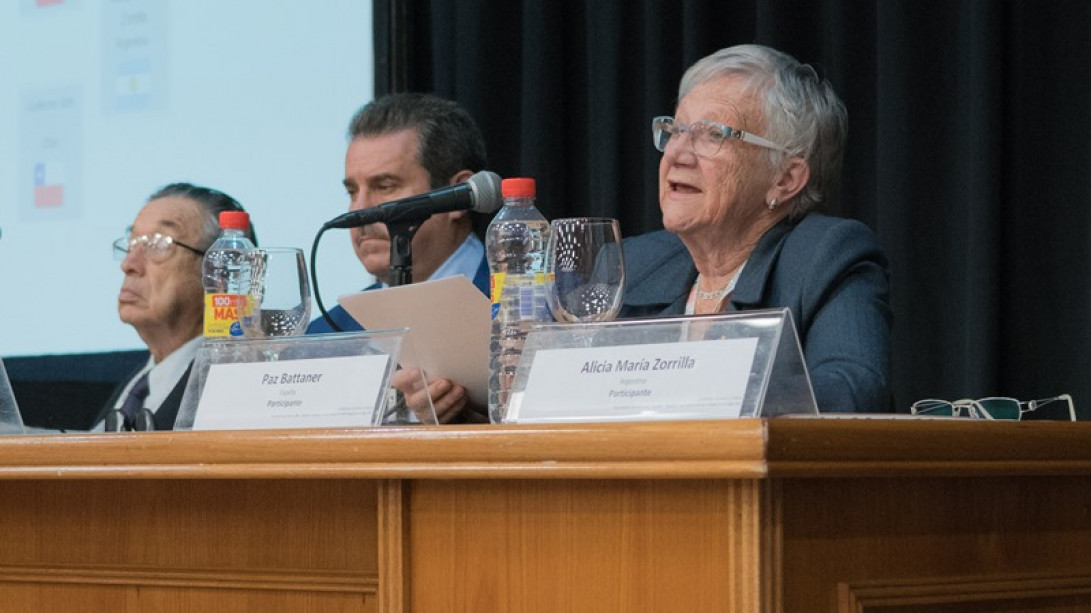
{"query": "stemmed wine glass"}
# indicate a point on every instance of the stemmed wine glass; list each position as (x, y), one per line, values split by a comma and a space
(278, 299)
(587, 269)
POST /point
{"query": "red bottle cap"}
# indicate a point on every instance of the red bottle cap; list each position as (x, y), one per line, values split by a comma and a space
(520, 187)
(235, 220)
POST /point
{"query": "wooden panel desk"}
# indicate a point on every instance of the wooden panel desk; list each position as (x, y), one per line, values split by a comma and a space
(792, 515)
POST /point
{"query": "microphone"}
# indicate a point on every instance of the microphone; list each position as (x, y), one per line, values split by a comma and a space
(481, 194)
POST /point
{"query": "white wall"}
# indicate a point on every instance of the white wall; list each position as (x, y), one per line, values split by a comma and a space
(111, 99)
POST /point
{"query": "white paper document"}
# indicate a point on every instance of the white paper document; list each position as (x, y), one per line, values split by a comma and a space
(448, 321)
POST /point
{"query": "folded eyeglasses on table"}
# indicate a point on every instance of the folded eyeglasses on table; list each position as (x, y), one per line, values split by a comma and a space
(993, 407)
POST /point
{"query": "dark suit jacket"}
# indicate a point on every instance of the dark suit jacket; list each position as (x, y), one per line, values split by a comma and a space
(165, 414)
(347, 324)
(830, 272)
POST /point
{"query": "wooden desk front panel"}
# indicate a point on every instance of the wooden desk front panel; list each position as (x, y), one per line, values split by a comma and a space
(596, 546)
(906, 545)
(188, 545)
(848, 545)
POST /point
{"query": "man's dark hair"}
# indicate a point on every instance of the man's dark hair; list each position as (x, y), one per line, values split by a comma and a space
(213, 201)
(449, 138)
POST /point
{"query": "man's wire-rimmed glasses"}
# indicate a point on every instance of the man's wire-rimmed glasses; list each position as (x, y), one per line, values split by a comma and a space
(157, 247)
(995, 407)
(706, 137)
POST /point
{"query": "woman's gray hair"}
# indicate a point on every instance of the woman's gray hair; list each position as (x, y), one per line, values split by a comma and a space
(801, 111)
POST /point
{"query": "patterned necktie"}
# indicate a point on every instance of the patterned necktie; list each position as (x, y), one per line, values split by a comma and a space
(134, 403)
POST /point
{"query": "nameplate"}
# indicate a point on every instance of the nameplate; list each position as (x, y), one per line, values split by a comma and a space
(314, 393)
(684, 380)
(11, 421)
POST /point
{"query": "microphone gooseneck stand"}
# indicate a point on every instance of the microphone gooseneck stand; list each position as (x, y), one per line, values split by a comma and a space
(401, 273)
(481, 193)
(401, 258)
(401, 250)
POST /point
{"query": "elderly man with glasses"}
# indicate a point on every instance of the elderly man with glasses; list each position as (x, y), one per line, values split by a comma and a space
(162, 297)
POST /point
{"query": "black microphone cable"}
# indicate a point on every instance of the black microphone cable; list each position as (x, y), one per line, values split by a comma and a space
(483, 190)
(314, 281)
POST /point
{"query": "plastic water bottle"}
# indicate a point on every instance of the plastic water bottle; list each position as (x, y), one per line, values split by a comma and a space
(515, 244)
(226, 276)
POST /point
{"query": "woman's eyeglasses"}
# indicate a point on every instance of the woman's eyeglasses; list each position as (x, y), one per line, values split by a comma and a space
(995, 407)
(157, 247)
(706, 137)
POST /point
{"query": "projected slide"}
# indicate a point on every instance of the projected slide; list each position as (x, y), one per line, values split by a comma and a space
(50, 154)
(135, 72)
(103, 102)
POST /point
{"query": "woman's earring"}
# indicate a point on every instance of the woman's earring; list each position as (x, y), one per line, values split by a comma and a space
(772, 204)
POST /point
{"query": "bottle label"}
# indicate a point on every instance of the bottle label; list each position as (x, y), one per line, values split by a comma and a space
(496, 287)
(222, 315)
(530, 290)
(543, 282)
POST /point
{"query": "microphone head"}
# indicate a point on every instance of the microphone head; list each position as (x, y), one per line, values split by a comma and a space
(485, 186)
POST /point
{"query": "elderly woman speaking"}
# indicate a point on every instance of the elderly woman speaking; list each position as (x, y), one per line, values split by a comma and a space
(754, 146)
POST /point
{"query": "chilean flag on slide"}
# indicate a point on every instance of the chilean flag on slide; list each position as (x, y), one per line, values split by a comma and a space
(48, 189)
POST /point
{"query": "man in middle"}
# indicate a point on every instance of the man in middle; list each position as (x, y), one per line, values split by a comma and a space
(401, 145)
